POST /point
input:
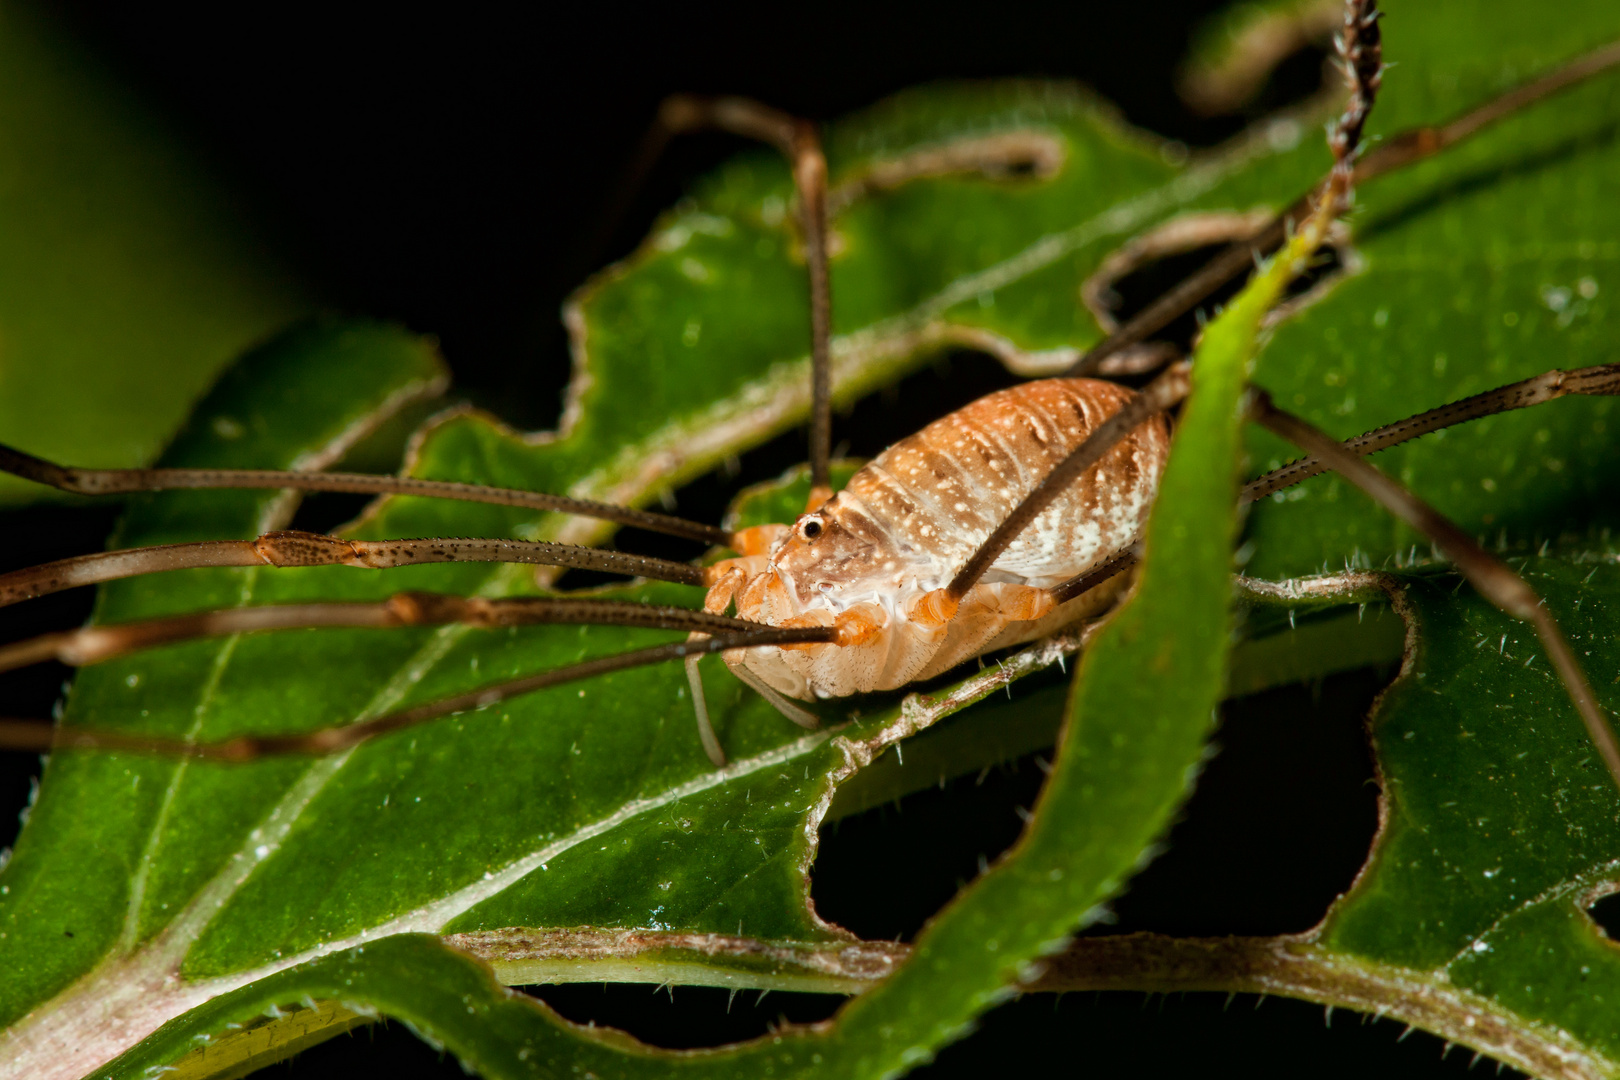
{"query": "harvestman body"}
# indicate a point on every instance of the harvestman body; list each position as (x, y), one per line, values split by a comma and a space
(875, 560)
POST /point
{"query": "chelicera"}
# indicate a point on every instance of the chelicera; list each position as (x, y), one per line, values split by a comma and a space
(997, 524)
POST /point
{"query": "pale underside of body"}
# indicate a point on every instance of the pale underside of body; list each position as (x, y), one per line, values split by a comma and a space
(873, 561)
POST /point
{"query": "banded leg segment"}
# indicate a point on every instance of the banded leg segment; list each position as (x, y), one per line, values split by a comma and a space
(284, 549)
(1602, 380)
(97, 644)
(42, 735)
(127, 481)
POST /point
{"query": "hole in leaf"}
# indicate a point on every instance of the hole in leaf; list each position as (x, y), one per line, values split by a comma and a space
(1144, 270)
(1605, 911)
(883, 873)
(1278, 825)
(1192, 1034)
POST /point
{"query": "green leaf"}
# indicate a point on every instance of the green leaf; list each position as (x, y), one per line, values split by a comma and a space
(228, 874)
(593, 806)
(697, 345)
(1119, 776)
(1499, 829)
(127, 279)
(298, 401)
(1503, 825)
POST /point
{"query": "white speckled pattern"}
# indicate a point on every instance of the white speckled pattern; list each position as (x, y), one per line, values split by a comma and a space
(912, 517)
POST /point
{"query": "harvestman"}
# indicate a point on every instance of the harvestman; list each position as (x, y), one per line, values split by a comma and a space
(997, 524)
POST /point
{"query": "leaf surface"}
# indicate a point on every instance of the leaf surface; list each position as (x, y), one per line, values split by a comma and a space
(233, 873)
(1497, 834)
(593, 805)
(1119, 777)
(1503, 825)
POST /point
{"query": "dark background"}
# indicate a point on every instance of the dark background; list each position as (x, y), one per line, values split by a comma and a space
(450, 169)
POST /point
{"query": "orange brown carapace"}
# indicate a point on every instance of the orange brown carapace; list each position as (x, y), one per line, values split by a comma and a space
(874, 560)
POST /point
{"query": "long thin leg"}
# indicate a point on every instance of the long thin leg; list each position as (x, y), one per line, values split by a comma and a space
(780, 702)
(97, 644)
(313, 549)
(700, 703)
(1491, 577)
(125, 481)
(800, 143)
(700, 706)
(1395, 152)
(42, 735)
(1602, 380)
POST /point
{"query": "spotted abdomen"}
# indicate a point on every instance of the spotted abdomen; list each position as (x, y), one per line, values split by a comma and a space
(946, 488)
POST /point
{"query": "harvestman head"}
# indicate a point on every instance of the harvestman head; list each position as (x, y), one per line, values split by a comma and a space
(997, 524)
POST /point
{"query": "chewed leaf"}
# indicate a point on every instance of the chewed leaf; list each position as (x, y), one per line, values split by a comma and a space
(164, 901)
(1120, 774)
(591, 805)
(1499, 831)
(1503, 825)
(236, 874)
